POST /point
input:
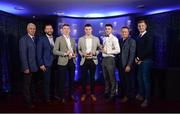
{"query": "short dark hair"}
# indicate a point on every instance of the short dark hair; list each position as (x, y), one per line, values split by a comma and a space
(66, 25)
(142, 21)
(109, 25)
(87, 25)
(47, 25)
(125, 27)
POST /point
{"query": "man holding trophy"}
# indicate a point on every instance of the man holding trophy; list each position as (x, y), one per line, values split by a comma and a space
(66, 50)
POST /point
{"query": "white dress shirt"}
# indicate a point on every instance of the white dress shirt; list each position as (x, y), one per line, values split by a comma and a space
(111, 45)
(68, 41)
(51, 41)
(141, 34)
(88, 44)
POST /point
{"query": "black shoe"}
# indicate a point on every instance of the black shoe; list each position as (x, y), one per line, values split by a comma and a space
(36, 101)
(47, 102)
(63, 101)
(30, 105)
(57, 98)
(111, 99)
(106, 96)
(145, 103)
(73, 98)
(124, 99)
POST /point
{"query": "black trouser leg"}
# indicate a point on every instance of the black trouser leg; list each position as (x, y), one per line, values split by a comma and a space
(29, 87)
(84, 70)
(92, 70)
(71, 71)
(53, 80)
(26, 88)
(61, 79)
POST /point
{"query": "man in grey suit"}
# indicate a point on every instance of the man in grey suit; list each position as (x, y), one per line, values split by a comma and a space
(126, 60)
(88, 49)
(27, 50)
(65, 48)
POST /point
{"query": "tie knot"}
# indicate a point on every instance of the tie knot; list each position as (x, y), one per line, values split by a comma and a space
(140, 35)
(33, 38)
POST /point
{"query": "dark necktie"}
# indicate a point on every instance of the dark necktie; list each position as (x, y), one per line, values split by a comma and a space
(140, 35)
(122, 43)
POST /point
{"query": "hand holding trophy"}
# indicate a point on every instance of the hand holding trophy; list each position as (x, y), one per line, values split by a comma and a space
(70, 54)
(102, 49)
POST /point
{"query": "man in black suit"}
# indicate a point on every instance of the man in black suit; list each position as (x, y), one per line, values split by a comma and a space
(144, 61)
(126, 60)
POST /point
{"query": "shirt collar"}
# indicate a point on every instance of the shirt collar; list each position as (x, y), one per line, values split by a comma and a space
(124, 39)
(49, 36)
(91, 36)
(143, 33)
(111, 35)
(66, 36)
(30, 35)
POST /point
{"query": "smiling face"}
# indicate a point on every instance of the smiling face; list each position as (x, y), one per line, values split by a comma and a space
(66, 30)
(142, 27)
(48, 30)
(31, 29)
(125, 33)
(108, 30)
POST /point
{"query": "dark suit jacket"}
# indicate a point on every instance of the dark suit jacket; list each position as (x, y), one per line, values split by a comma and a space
(27, 51)
(128, 51)
(145, 47)
(44, 52)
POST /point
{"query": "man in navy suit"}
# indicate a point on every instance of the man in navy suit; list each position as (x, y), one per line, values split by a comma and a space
(126, 60)
(45, 57)
(27, 50)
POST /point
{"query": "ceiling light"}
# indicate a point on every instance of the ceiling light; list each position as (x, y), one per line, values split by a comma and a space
(18, 8)
(141, 6)
(59, 13)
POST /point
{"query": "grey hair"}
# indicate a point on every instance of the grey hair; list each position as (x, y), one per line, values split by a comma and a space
(31, 25)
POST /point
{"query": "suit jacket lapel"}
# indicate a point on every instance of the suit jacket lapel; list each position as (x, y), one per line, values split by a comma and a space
(121, 43)
(72, 43)
(31, 40)
(93, 44)
(126, 42)
(47, 40)
(64, 40)
(84, 43)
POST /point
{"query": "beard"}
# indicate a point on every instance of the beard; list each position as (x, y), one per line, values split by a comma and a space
(49, 33)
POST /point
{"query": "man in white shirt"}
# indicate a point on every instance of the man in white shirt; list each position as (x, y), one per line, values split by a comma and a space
(109, 49)
(88, 49)
(65, 49)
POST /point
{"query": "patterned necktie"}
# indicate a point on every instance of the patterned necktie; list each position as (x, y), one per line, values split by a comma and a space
(33, 38)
